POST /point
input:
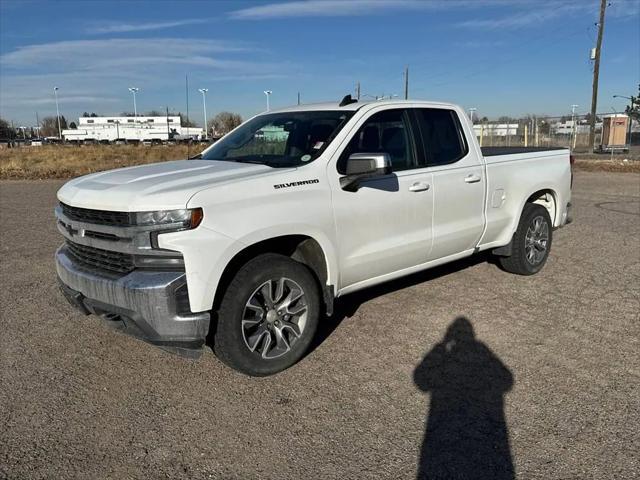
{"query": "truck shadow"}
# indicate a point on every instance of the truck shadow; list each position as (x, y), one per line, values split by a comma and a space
(347, 306)
(466, 434)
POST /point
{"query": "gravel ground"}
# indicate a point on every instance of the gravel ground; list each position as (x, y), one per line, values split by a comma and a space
(397, 385)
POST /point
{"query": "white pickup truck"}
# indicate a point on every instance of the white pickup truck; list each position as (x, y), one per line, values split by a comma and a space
(249, 243)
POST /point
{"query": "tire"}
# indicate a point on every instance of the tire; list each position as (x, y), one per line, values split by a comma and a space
(524, 261)
(247, 316)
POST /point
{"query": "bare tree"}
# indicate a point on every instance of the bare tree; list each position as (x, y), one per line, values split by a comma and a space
(50, 126)
(6, 132)
(224, 122)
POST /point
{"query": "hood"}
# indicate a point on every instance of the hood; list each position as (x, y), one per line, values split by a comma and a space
(158, 186)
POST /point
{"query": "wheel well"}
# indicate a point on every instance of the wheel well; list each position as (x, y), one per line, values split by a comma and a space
(546, 198)
(300, 248)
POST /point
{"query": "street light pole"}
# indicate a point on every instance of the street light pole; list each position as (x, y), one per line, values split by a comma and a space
(204, 104)
(268, 94)
(573, 125)
(134, 90)
(55, 94)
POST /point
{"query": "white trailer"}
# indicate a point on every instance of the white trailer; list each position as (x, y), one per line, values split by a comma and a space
(130, 129)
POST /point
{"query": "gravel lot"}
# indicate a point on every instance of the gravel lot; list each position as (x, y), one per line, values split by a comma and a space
(549, 386)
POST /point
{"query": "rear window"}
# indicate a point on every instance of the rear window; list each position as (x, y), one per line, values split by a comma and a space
(442, 136)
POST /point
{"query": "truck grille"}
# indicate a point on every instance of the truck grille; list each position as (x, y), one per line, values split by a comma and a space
(101, 259)
(98, 217)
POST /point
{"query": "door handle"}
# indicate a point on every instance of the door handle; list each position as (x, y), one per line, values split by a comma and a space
(419, 187)
(472, 178)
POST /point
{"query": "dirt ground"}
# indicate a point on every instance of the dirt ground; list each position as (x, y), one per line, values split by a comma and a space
(464, 371)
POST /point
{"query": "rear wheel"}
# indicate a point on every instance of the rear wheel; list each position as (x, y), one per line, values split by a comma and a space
(268, 315)
(531, 242)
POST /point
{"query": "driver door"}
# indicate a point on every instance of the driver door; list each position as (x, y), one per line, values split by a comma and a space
(385, 225)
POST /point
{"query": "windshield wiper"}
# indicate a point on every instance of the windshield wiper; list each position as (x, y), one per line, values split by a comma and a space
(249, 160)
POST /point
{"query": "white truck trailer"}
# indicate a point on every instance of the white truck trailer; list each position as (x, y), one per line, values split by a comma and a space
(131, 129)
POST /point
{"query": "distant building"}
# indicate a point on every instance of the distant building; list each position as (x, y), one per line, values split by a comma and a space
(566, 127)
(495, 129)
(131, 129)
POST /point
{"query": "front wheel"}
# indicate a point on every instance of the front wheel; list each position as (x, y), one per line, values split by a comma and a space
(531, 242)
(268, 315)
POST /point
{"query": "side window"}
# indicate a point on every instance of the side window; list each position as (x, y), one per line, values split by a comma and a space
(442, 136)
(383, 132)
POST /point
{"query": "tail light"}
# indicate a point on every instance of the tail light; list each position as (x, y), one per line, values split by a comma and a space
(572, 160)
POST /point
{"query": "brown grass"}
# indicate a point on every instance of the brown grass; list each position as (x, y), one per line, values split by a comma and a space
(615, 165)
(56, 161)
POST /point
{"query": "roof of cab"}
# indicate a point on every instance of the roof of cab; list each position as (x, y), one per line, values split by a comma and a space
(353, 106)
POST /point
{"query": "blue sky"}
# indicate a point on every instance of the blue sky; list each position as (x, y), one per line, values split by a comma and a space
(503, 57)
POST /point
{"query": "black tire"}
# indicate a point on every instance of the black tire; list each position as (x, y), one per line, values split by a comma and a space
(518, 262)
(230, 344)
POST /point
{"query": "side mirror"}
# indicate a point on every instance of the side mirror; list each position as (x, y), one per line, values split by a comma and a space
(361, 166)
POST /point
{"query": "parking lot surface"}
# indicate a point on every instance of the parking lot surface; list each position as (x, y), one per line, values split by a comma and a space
(453, 371)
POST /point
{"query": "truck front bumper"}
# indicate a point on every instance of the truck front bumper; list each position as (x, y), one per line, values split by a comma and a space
(150, 305)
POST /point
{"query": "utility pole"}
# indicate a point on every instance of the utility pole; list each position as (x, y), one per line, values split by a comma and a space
(298, 98)
(358, 91)
(596, 73)
(406, 82)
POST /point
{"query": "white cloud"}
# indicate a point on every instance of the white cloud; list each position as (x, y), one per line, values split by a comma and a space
(114, 27)
(337, 8)
(527, 12)
(96, 73)
(535, 13)
(66, 99)
(92, 54)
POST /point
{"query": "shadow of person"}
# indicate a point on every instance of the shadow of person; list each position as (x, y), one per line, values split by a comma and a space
(466, 434)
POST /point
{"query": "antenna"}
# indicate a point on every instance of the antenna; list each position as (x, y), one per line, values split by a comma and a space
(347, 100)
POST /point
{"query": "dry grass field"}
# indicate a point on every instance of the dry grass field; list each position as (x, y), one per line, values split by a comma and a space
(56, 161)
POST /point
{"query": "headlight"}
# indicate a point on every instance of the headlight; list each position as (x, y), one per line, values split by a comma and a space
(186, 218)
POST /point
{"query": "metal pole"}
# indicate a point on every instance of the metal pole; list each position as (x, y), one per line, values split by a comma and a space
(204, 104)
(298, 98)
(406, 82)
(134, 90)
(268, 93)
(168, 129)
(596, 73)
(55, 93)
(573, 126)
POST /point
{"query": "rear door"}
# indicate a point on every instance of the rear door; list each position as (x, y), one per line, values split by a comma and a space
(458, 182)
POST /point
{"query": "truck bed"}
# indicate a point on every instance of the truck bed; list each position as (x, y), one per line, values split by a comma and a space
(493, 151)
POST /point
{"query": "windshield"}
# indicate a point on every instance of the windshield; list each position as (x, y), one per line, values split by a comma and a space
(280, 139)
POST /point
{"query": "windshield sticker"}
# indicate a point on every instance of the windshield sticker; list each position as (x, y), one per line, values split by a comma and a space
(318, 145)
(305, 158)
(296, 184)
